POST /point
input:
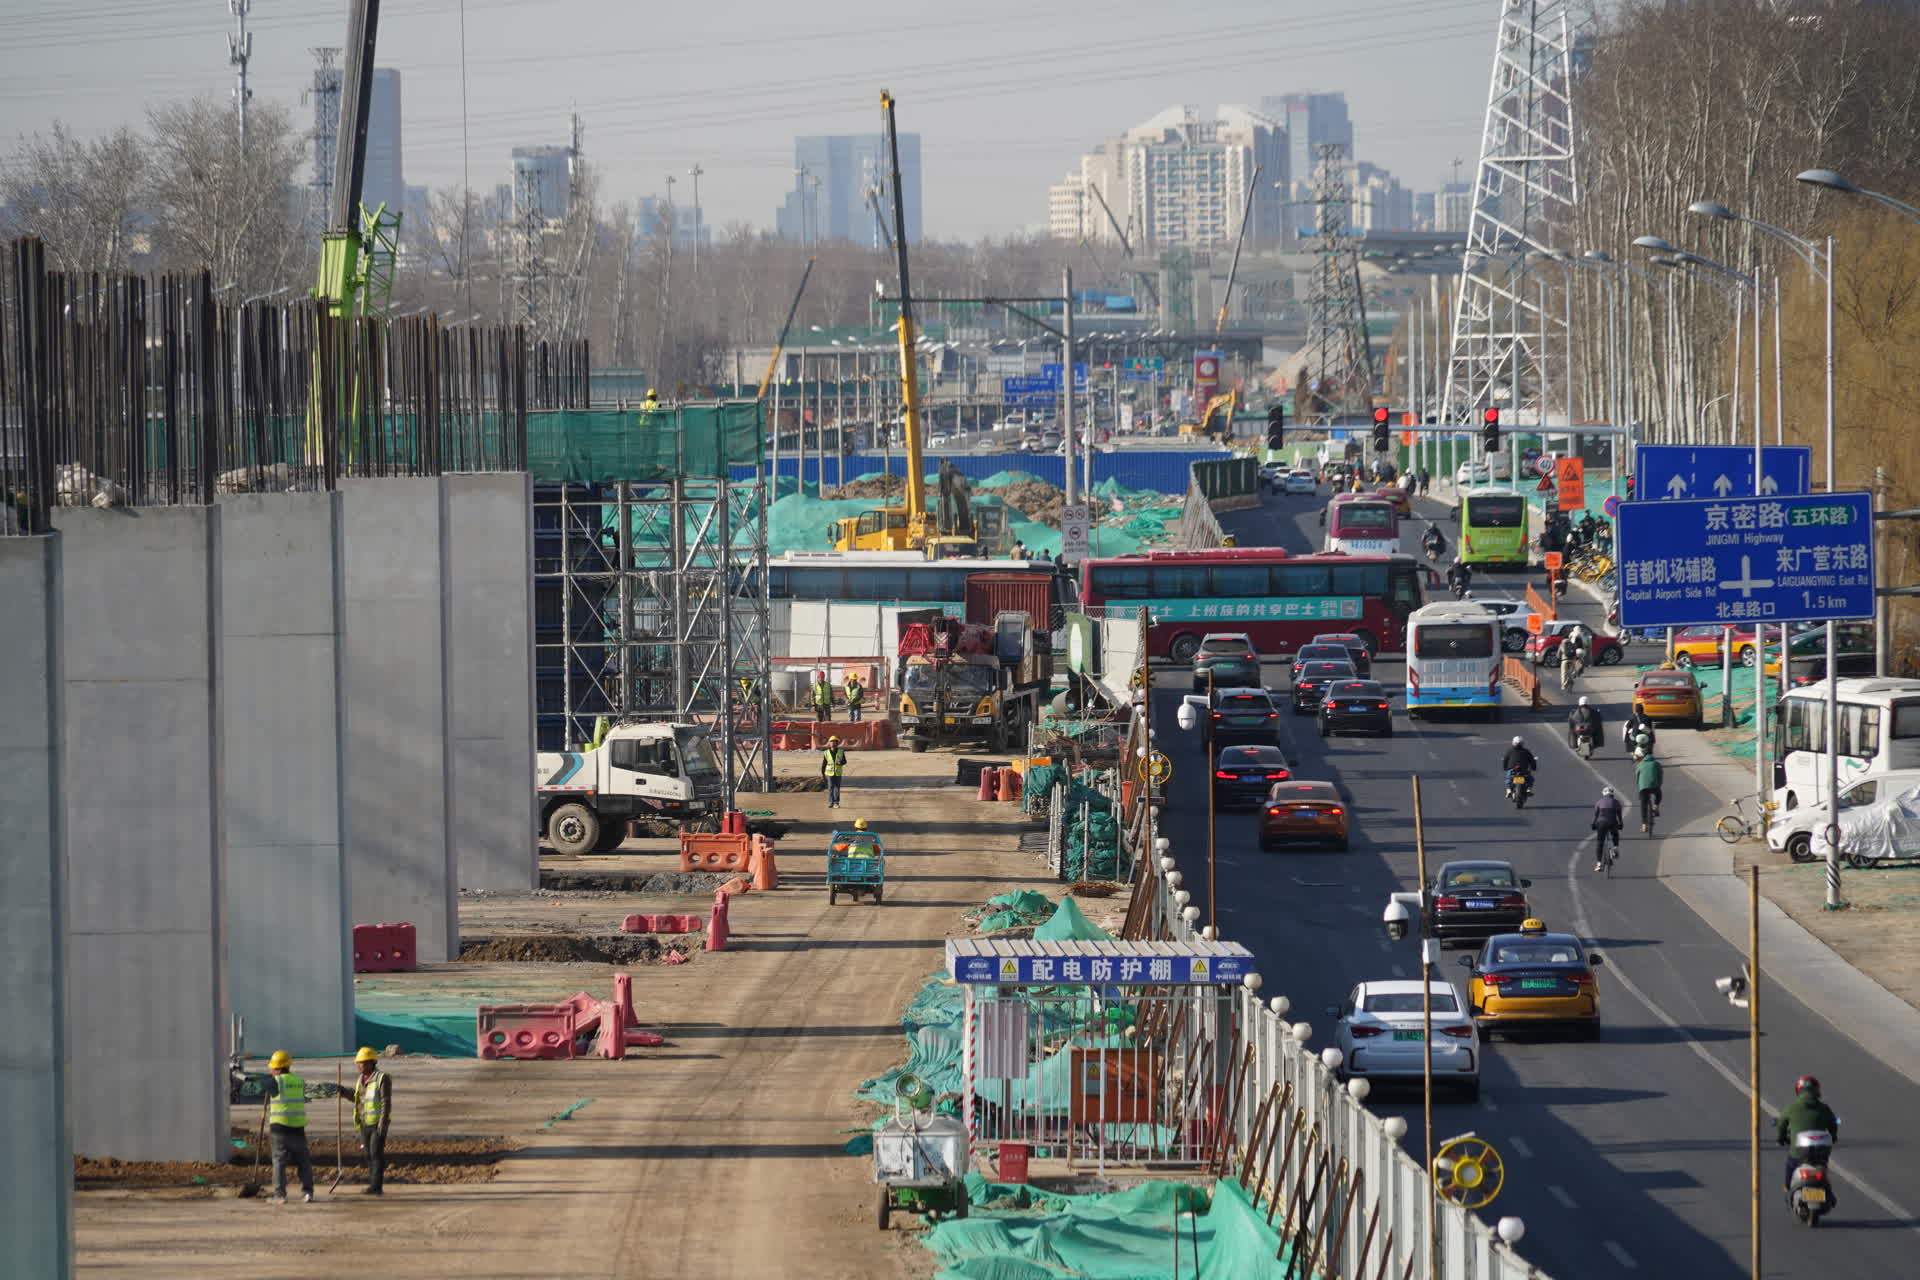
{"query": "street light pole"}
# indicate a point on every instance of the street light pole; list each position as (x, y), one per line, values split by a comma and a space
(1426, 1032)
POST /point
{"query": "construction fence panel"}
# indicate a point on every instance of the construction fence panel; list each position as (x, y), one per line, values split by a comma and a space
(601, 446)
(1158, 470)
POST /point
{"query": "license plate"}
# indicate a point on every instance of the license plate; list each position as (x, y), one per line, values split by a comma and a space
(1814, 1195)
(1539, 984)
(1355, 707)
(1408, 1035)
(1478, 904)
(950, 720)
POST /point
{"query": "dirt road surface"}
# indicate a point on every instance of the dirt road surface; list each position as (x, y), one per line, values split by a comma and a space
(721, 1154)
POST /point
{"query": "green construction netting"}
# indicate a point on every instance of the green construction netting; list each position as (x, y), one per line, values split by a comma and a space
(441, 1035)
(581, 446)
(1070, 924)
(1093, 833)
(1120, 1235)
(1012, 910)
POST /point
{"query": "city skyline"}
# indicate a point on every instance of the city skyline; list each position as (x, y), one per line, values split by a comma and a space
(997, 118)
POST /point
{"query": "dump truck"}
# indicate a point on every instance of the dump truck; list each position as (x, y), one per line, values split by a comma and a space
(964, 682)
(667, 773)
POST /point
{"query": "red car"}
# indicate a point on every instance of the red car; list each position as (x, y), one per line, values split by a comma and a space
(1544, 646)
(1309, 812)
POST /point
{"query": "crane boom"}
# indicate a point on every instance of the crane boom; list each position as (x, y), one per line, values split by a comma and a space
(909, 362)
(340, 247)
(1246, 216)
(780, 343)
(1125, 246)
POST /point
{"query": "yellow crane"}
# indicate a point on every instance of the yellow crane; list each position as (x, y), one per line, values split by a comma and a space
(911, 527)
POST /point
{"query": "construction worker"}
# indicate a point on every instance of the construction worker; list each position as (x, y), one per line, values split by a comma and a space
(287, 1126)
(833, 764)
(856, 695)
(372, 1113)
(822, 698)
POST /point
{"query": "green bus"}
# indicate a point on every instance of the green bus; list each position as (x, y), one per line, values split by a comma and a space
(1493, 528)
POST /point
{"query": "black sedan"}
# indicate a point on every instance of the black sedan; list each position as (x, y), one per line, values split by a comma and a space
(1244, 715)
(1311, 680)
(1356, 706)
(1318, 653)
(1244, 775)
(1473, 900)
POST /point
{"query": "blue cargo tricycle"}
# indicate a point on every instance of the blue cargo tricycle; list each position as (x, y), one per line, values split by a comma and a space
(856, 864)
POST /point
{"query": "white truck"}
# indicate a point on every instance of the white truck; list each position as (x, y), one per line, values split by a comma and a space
(664, 772)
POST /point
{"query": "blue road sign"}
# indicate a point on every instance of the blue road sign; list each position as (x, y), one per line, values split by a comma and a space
(1130, 970)
(1676, 471)
(1051, 372)
(1029, 391)
(1807, 558)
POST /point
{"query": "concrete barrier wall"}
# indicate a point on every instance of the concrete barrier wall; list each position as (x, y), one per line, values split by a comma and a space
(289, 938)
(142, 811)
(36, 1145)
(399, 861)
(489, 590)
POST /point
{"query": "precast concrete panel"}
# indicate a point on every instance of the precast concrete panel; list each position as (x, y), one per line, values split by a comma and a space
(141, 761)
(399, 862)
(289, 936)
(36, 1146)
(489, 589)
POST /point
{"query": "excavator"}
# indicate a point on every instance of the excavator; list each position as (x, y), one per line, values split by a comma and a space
(941, 534)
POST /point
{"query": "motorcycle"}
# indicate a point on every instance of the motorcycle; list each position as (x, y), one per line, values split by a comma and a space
(1583, 741)
(1808, 1191)
(1637, 738)
(1459, 587)
(1519, 788)
(1433, 552)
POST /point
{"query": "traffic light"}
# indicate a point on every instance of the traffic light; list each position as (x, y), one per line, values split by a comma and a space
(1490, 431)
(1276, 426)
(1380, 430)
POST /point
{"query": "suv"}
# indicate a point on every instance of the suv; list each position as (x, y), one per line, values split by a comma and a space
(1361, 656)
(1224, 659)
(1243, 715)
(1474, 899)
(1513, 615)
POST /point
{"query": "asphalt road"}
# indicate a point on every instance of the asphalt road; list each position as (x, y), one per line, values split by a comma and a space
(1627, 1156)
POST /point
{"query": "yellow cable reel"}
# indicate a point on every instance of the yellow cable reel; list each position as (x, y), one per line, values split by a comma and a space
(1469, 1171)
(1155, 767)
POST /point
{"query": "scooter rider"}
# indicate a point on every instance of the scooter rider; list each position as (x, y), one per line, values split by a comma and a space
(1459, 577)
(1584, 718)
(1806, 1112)
(1519, 760)
(1434, 542)
(1638, 734)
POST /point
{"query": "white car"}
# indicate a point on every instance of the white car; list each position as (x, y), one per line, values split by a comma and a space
(1513, 615)
(1471, 473)
(1299, 481)
(1379, 1034)
(939, 440)
(1800, 833)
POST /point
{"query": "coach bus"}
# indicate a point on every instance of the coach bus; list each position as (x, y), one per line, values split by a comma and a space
(1879, 733)
(903, 578)
(1362, 525)
(1281, 601)
(1493, 528)
(1453, 659)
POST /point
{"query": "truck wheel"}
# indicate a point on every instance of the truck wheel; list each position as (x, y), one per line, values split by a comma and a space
(997, 738)
(573, 828)
(916, 745)
(612, 836)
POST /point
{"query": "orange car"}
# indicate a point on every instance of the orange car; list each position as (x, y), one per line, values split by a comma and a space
(1401, 500)
(1310, 812)
(1700, 646)
(1668, 694)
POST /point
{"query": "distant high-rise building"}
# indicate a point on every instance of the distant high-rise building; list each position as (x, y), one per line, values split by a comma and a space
(1178, 180)
(1380, 203)
(385, 181)
(1067, 203)
(1310, 120)
(541, 180)
(1453, 207)
(832, 176)
(650, 218)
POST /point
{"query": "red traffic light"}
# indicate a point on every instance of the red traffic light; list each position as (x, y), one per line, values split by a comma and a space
(1492, 417)
(1380, 415)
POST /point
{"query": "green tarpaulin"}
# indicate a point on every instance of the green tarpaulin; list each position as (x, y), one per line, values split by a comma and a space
(1070, 924)
(597, 446)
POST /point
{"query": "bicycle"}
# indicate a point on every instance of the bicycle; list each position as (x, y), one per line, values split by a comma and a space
(1609, 851)
(1649, 810)
(1737, 826)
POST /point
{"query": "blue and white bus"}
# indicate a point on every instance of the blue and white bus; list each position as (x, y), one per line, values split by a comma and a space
(1453, 659)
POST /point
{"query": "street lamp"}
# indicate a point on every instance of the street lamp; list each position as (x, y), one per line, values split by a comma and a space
(1189, 720)
(1834, 182)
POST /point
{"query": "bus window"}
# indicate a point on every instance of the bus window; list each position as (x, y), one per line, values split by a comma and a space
(1360, 580)
(1301, 580)
(1454, 640)
(1406, 594)
(1179, 582)
(1123, 582)
(1239, 580)
(1496, 511)
(1859, 731)
(1906, 720)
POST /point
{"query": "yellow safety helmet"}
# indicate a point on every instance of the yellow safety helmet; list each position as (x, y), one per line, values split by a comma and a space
(859, 824)
(280, 1061)
(833, 739)
(1533, 926)
(366, 1055)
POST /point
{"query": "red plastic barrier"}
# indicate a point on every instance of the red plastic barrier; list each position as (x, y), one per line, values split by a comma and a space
(717, 922)
(1009, 785)
(384, 948)
(656, 923)
(714, 851)
(526, 1031)
(989, 784)
(734, 823)
(766, 875)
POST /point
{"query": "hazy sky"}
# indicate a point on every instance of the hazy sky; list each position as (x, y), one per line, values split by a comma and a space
(1005, 94)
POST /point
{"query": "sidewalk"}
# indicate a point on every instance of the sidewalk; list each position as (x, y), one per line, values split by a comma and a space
(1859, 968)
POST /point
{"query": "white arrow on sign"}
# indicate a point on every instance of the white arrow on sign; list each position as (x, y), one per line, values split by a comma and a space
(1768, 485)
(1722, 486)
(1676, 487)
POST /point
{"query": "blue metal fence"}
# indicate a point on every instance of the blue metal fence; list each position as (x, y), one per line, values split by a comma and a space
(1162, 470)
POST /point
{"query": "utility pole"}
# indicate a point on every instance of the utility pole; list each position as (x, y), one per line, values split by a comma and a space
(239, 53)
(1066, 383)
(696, 171)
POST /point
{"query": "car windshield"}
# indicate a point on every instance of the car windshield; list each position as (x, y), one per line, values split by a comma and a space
(1325, 670)
(696, 751)
(1478, 878)
(1347, 642)
(1409, 1002)
(1667, 680)
(1226, 647)
(1454, 640)
(1245, 702)
(1320, 653)
(1363, 516)
(1496, 511)
(1357, 689)
(961, 680)
(1251, 755)
(1536, 952)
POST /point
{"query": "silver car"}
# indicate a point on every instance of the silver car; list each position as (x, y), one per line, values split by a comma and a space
(1380, 1034)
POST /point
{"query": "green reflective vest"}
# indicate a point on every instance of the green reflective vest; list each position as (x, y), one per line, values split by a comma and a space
(288, 1108)
(369, 1100)
(854, 690)
(822, 694)
(834, 761)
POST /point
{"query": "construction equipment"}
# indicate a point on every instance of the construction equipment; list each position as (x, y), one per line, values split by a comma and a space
(964, 682)
(1216, 418)
(911, 527)
(1233, 271)
(1126, 246)
(588, 798)
(357, 250)
(780, 343)
(919, 1158)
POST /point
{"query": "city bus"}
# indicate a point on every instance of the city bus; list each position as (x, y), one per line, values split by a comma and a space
(1493, 528)
(1453, 659)
(1280, 600)
(1879, 733)
(1360, 524)
(899, 578)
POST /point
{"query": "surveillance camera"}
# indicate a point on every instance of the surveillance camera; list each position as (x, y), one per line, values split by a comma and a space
(1397, 919)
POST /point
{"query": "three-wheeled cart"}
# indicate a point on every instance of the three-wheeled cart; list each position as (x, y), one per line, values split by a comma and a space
(856, 864)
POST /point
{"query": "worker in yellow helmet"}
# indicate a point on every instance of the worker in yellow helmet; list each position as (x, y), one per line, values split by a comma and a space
(833, 766)
(859, 824)
(372, 1113)
(287, 1126)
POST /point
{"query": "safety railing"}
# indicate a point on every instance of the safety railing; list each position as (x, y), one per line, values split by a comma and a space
(1524, 677)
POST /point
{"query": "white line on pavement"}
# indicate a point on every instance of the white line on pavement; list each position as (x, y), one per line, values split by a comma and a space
(1560, 1193)
(1519, 1145)
(1620, 1255)
(1399, 971)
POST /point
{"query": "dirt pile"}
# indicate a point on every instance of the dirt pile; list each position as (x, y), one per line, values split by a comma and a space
(409, 1160)
(1035, 499)
(577, 949)
(887, 486)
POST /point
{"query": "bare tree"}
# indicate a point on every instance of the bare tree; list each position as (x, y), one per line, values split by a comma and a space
(235, 212)
(81, 198)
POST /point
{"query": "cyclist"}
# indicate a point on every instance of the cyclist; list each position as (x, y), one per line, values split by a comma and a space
(1607, 820)
(1584, 718)
(1647, 776)
(1572, 659)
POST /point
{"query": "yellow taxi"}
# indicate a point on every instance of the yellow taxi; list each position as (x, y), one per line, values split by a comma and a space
(1668, 694)
(1700, 646)
(1402, 500)
(1534, 978)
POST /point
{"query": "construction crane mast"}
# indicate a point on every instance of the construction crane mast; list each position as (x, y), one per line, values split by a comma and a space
(347, 259)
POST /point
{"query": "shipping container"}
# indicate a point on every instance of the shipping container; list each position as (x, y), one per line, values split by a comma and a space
(991, 594)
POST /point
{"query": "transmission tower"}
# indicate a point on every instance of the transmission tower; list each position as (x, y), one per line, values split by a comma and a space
(1339, 354)
(529, 265)
(1523, 196)
(324, 94)
(239, 53)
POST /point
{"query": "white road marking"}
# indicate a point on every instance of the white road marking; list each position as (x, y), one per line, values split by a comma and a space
(1620, 1255)
(1488, 1101)
(1399, 971)
(1520, 1147)
(1560, 1194)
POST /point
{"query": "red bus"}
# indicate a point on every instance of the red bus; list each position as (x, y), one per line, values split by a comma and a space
(1279, 599)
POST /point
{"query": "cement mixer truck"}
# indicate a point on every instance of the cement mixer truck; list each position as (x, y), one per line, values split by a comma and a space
(588, 799)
